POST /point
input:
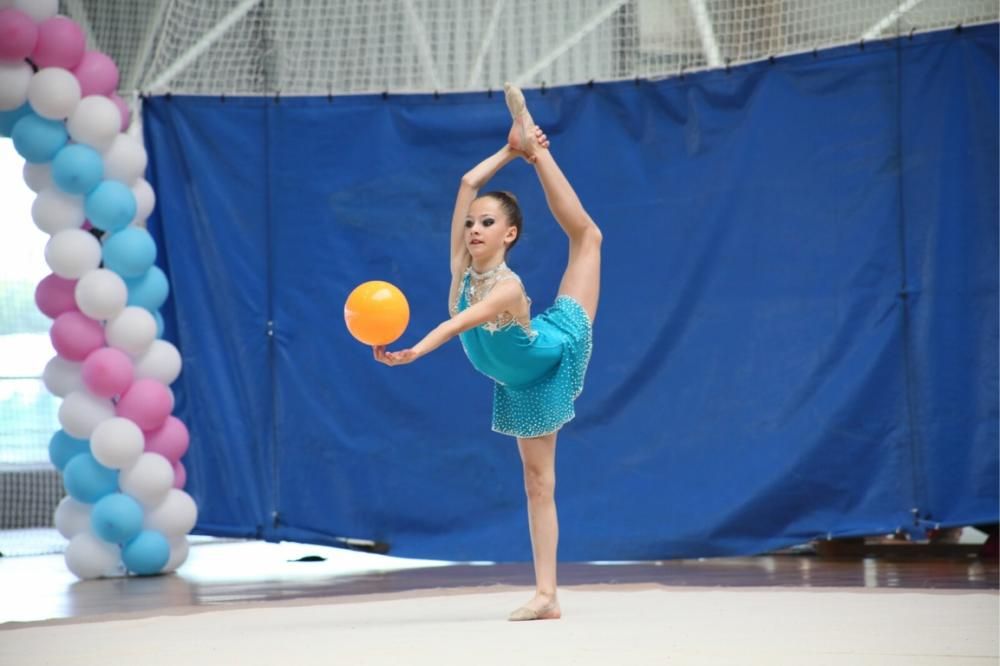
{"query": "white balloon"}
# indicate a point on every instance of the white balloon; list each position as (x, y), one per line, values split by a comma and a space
(174, 516)
(54, 93)
(54, 211)
(148, 479)
(101, 294)
(62, 377)
(145, 199)
(95, 122)
(125, 160)
(82, 411)
(161, 362)
(40, 10)
(179, 550)
(117, 443)
(132, 331)
(15, 78)
(38, 177)
(89, 557)
(72, 252)
(72, 517)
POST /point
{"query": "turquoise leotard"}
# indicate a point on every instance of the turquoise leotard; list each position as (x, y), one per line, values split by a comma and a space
(537, 371)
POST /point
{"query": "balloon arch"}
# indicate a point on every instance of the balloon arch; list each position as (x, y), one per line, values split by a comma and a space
(119, 447)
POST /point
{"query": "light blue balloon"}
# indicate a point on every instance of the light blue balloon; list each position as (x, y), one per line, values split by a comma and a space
(110, 206)
(129, 252)
(149, 290)
(63, 448)
(38, 139)
(9, 118)
(147, 553)
(116, 518)
(87, 480)
(159, 324)
(77, 169)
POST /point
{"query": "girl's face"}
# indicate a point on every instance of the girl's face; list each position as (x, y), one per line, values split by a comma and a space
(487, 229)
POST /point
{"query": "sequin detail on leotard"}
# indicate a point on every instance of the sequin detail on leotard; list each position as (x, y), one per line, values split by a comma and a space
(475, 287)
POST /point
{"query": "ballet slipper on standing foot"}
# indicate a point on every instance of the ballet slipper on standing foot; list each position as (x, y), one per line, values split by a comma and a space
(549, 611)
(523, 135)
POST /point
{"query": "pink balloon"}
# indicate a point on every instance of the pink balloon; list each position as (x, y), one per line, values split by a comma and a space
(74, 335)
(18, 34)
(107, 372)
(147, 402)
(169, 440)
(54, 295)
(97, 74)
(122, 109)
(180, 475)
(60, 44)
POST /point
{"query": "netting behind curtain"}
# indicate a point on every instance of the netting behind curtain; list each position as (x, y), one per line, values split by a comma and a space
(347, 46)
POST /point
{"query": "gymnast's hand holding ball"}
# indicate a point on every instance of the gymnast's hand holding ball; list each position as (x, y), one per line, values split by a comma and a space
(377, 313)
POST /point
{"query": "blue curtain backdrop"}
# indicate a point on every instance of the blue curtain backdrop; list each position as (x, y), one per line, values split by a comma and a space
(797, 334)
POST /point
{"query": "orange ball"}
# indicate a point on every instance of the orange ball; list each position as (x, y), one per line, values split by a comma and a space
(376, 313)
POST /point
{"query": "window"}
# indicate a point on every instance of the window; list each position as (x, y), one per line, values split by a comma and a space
(27, 410)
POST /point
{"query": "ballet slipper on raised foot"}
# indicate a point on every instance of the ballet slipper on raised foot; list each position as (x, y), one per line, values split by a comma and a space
(515, 100)
(522, 134)
(547, 612)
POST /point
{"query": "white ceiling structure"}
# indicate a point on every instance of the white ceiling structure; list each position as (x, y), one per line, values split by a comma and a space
(310, 47)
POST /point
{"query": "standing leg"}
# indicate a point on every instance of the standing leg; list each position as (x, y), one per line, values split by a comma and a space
(538, 456)
(582, 278)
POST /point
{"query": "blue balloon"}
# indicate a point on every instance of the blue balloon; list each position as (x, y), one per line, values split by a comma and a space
(77, 169)
(148, 291)
(110, 206)
(38, 139)
(129, 252)
(146, 554)
(63, 448)
(87, 480)
(159, 323)
(9, 118)
(116, 518)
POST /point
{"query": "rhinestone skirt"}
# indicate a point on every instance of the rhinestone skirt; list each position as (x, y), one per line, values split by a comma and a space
(546, 405)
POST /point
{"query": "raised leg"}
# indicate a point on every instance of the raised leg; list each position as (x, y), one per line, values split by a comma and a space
(582, 277)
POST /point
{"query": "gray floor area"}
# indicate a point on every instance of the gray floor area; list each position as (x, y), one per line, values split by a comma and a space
(258, 603)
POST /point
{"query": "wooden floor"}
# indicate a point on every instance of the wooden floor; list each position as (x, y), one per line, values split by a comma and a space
(40, 589)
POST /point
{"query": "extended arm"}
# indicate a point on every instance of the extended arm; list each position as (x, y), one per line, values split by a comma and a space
(503, 297)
